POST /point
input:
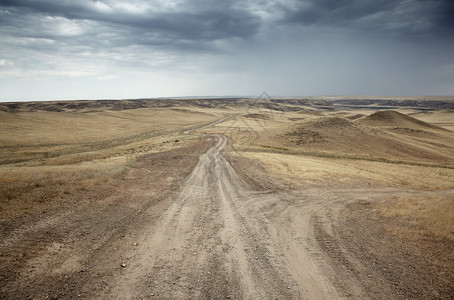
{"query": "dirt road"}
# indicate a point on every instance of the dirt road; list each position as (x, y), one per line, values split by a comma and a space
(190, 226)
(209, 244)
(203, 246)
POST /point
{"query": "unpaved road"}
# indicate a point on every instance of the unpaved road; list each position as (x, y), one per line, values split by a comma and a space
(203, 246)
(190, 226)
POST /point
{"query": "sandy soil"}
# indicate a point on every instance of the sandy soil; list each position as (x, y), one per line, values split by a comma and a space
(196, 224)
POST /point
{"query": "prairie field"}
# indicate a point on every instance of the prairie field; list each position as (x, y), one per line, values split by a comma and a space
(51, 149)
(237, 198)
(46, 155)
(401, 147)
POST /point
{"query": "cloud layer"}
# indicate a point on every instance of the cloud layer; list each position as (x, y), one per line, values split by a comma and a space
(114, 49)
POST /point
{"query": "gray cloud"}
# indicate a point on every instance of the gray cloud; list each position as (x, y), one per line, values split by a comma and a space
(231, 46)
(197, 24)
(201, 21)
(389, 16)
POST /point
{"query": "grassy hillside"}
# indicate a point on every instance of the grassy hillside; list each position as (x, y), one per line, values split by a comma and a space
(46, 154)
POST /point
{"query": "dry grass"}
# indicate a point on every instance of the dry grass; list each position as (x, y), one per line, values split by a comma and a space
(70, 144)
(317, 135)
(45, 155)
(430, 213)
(421, 162)
(62, 128)
(343, 157)
(359, 154)
(318, 170)
(440, 118)
(24, 187)
(245, 132)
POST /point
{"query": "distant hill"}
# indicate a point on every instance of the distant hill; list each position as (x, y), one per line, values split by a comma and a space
(386, 134)
(393, 118)
(279, 104)
(421, 103)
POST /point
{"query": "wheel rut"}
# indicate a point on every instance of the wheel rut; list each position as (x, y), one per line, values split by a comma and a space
(202, 246)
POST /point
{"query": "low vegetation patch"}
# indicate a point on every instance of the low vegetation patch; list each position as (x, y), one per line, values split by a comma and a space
(429, 214)
(45, 155)
(22, 188)
(320, 168)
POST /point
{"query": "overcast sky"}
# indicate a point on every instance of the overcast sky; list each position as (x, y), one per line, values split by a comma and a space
(65, 49)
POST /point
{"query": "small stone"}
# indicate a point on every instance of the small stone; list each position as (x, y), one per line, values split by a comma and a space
(135, 244)
(123, 265)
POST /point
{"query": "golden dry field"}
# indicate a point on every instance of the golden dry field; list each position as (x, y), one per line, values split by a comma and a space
(402, 148)
(288, 198)
(51, 150)
(383, 147)
(45, 154)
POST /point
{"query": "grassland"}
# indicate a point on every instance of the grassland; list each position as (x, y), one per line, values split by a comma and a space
(51, 149)
(404, 148)
(45, 155)
(340, 197)
(327, 147)
(429, 215)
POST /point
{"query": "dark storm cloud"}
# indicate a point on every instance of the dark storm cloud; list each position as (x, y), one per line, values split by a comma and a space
(193, 47)
(198, 21)
(389, 16)
(197, 24)
(444, 18)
